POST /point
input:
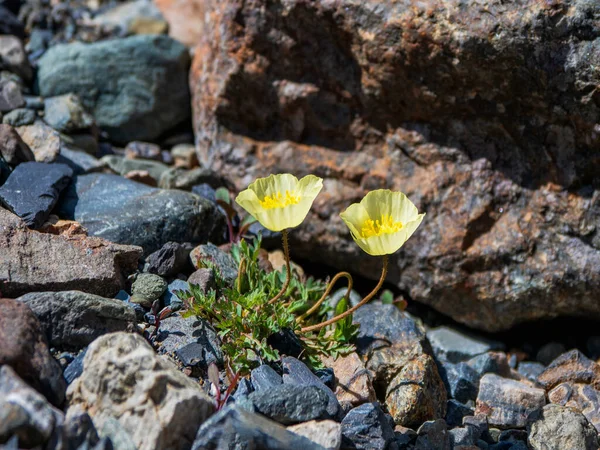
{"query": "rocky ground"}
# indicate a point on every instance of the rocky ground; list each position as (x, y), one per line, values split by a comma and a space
(119, 120)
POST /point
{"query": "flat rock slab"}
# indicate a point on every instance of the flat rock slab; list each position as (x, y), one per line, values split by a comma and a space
(71, 320)
(136, 88)
(23, 346)
(126, 212)
(37, 262)
(32, 190)
(507, 403)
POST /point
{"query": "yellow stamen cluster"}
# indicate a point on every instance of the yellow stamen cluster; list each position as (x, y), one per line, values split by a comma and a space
(378, 227)
(277, 200)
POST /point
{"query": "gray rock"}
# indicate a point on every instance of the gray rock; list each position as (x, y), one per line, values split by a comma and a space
(490, 362)
(461, 381)
(288, 404)
(12, 148)
(32, 190)
(43, 140)
(71, 320)
(296, 373)
(456, 346)
(136, 88)
(234, 428)
(124, 379)
(480, 427)
(25, 413)
(171, 299)
(19, 117)
(325, 433)
(13, 56)
(132, 17)
(78, 432)
(264, 378)
(10, 24)
(462, 436)
(117, 434)
(530, 369)
(123, 166)
(143, 150)
(10, 96)
(147, 288)
(211, 256)
(154, 216)
(507, 403)
(75, 368)
(5, 170)
(171, 259)
(558, 428)
(180, 178)
(433, 435)
(366, 427)
(79, 161)
(455, 411)
(62, 263)
(204, 279)
(66, 114)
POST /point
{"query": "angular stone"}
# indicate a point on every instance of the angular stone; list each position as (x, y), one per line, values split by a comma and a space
(12, 148)
(507, 403)
(66, 114)
(143, 150)
(233, 427)
(23, 346)
(155, 216)
(62, 262)
(147, 288)
(204, 278)
(179, 178)
(580, 397)
(326, 433)
(296, 373)
(366, 427)
(455, 411)
(455, 346)
(25, 413)
(433, 434)
(71, 320)
(136, 87)
(162, 409)
(42, 140)
(10, 96)
(129, 167)
(461, 381)
(19, 117)
(264, 378)
(79, 161)
(353, 384)
(10, 24)
(490, 362)
(288, 404)
(572, 366)
(32, 190)
(209, 255)
(376, 99)
(558, 428)
(531, 370)
(170, 260)
(75, 368)
(184, 155)
(170, 298)
(13, 57)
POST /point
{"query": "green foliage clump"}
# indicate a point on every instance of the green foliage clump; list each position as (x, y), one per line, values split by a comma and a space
(244, 319)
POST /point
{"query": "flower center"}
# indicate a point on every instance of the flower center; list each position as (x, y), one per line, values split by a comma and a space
(278, 200)
(386, 225)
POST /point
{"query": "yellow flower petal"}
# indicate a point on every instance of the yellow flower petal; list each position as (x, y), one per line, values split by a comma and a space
(280, 201)
(382, 222)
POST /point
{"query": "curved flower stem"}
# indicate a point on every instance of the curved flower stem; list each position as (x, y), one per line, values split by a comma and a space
(326, 293)
(286, 253)
(354, 308)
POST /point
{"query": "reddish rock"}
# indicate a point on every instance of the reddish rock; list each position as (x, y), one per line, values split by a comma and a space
(486, 117)
(185, 19)
(353, 384)
(23, 346)
(12, 148)
(573, 367)
(36, 262)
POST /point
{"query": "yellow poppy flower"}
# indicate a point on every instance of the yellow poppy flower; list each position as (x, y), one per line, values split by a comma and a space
(280, 201)
(382, 222)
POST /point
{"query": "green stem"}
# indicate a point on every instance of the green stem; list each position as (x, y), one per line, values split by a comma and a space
(315, 307)
(286, 253)
(354, 308)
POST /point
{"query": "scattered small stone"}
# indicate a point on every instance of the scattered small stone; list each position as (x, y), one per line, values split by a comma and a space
(233, 427)
(32, 190)
(325, 433)
(550, 352)
(288, 404)
(171, 299)
(286, 342)
(161, 409)
(184, 155)
(66, 114)
(366, 427)
(141, 176)
(405, 437)
(490, 362)
(462, 436)
(171, 259)
(433, 434)
(209, 255)
(10, 96)
(44, 141)
(327, 376)
(205, 191)
(296, 373)
(179, 178)
(80, 162)
(507, 403)
(461, 381)
(204, 279)
(24, 413)
(353, 385)
(456, 411)
(71, 320)
(531, 370)
(479, 425)
(75, 368)
(455, 346)
(19, 117)
(12, 148)
(264, 378)
(14, 58)
(143, 150)
(23, 346)
(558, 428)
(10, 24)
(125, 167)
(146, 288)
(133, 17)
(572, 366)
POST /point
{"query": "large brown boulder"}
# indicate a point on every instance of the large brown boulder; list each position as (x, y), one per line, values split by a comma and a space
(485, 114)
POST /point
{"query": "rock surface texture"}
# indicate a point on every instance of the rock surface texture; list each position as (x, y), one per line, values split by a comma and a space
(487, 117)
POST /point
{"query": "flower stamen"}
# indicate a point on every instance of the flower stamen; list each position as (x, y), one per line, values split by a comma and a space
(386, 225)
(277, 200)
